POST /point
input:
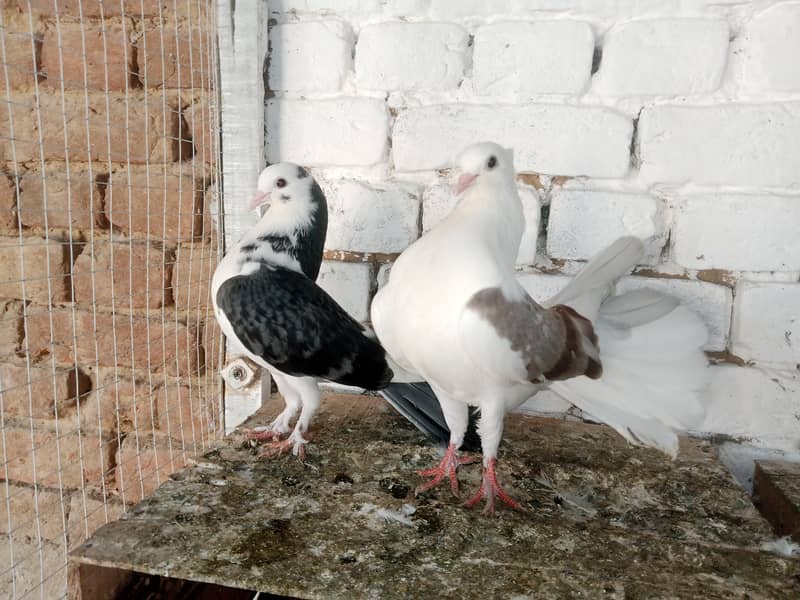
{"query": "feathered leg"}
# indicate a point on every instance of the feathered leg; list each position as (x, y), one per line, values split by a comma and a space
(308, 390)
(490, 429)
(456, 414)
(280, 425)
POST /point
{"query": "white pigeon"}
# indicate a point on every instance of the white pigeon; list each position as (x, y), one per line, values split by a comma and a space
(453, 312)
(265, 296)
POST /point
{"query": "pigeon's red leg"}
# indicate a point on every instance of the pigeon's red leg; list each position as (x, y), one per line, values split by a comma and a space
(307, 389)
(490, 489)
(262, 434)
(446, 468)
(280, 426)
(295, 442)
(298, 392)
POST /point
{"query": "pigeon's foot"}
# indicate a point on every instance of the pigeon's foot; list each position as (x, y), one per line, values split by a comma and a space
(273, 431)
(295, 442)
(446, 468)
(490, 489)
(263, 434)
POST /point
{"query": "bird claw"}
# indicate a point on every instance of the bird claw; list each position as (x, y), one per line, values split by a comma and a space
(491, 489)
(263, 434)
(294, 442)
(446, 468)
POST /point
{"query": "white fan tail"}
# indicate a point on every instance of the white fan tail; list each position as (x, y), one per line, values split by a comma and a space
(654, 370)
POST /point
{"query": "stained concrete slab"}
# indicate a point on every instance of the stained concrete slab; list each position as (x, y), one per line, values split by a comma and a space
(603, 519)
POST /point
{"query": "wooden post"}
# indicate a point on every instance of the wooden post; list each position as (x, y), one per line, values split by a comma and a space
(242, 31)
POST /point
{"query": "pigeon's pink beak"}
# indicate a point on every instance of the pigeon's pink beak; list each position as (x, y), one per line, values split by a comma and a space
(258, 199)
(464, 181)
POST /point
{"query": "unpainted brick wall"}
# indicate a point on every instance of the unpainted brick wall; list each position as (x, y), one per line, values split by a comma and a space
(676, 122)
(108, 349)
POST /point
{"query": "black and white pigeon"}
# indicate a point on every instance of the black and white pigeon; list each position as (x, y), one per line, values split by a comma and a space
(265, 296)
(453, 312)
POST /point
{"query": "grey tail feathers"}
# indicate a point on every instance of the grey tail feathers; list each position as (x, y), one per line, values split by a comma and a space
(418, 404)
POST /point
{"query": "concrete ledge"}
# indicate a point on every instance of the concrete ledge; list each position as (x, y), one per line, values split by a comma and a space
(603, 519)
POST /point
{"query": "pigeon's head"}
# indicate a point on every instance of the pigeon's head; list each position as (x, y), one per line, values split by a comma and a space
(282, 184)
(486, 162)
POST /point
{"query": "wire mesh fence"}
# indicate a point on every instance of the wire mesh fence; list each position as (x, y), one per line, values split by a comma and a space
(109, 152)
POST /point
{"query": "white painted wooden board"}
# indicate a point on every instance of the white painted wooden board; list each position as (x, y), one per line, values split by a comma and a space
(242, 30)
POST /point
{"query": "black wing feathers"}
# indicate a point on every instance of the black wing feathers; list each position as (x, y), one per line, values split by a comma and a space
(294, 325)
(417, 403)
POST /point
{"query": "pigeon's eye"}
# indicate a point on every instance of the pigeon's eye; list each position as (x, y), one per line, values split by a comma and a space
(492, 162)
(280, 182)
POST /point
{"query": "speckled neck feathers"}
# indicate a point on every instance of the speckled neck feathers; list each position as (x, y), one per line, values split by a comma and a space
(290, 237)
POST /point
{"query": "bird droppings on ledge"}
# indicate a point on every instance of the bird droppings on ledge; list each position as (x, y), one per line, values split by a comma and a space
(601, 518)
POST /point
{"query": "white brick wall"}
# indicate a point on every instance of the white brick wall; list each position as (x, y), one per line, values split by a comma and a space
(363, 218)
(756, 404)
(771, 50)
(437, 201)
(411, 56)
(582, 223)
(310, 57)
(729, 144)
(737, 231)
(349, 284)
(340, 131)
(447, 9)
(524, 59)
(546, 138)
(664, 57)
(678, 122)
(766, 322)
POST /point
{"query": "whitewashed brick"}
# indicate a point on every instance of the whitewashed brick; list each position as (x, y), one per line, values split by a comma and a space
(582, 223)
(546, 138)
(712, 303)
(336, 132)
(370, 219)
(411, 56)
(771, 47)
(738, 232)
(542, 287)
(369, 8)
(756, 404)
(529, 58)
(403, 8)
(349, 284)
(324, 6)
(532, 211)
(313, 56)
(383, 275)
(459, 9)
(747, 144)
(438, 201)
(663, 57)
(766, 322)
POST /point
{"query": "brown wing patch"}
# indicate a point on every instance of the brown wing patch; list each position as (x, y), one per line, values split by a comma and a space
(555, 343)
(580, 354)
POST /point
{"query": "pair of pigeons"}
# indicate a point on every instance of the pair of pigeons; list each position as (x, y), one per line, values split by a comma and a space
(454, 315)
